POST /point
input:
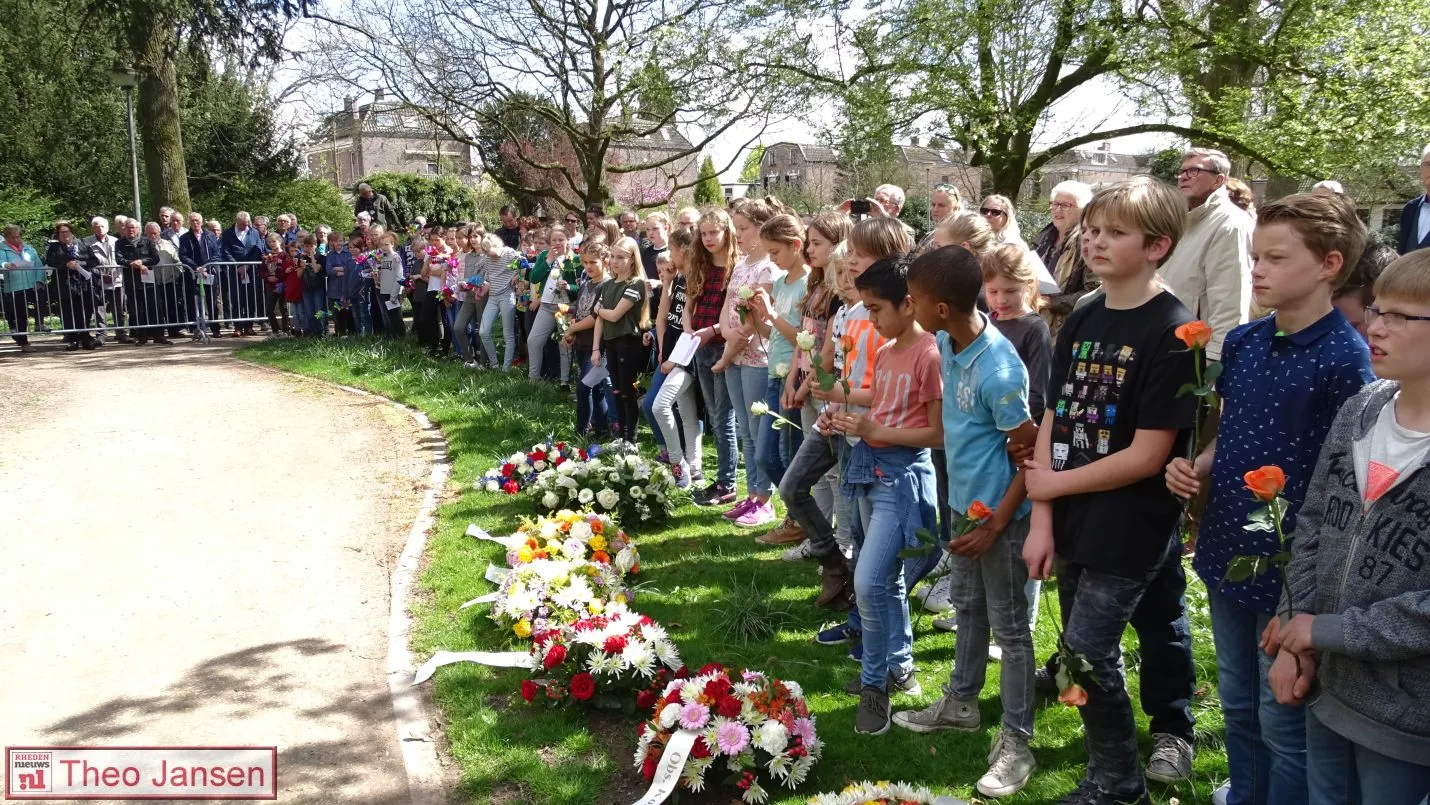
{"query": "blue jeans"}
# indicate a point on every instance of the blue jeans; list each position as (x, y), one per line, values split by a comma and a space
(881, 582)
(1265, 741)
(505, 306)
(746, 385)
(460, 344)
(722, 416)
(314, 302)
(362, 309)
(1096, 608)
(1339, 772)
(777, 448)
(593, 405)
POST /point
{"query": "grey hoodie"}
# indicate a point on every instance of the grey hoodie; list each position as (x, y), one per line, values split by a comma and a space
(1365, 575)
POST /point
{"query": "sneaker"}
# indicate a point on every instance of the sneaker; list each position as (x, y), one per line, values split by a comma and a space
(681, 473)
(697, 475)
(471, 365)
(757, 515)
(948, 623)
(163, 341)
(664, 457)
(995, 654)
(1171, 760)
(937, 596)
(788, 532)
(856, 653)
(798, 552)
(872, 717)
(1086, 793)
(906, 683)
(738, 510)
(947, 713)
(838, 635)
(566, 387)
(1044, 682)
(1220, 795)
(1011, 767)
(714, 495)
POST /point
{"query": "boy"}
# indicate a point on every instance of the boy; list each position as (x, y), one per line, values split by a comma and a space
(1283, 379)
(890, 476)
(1114, 420)
(989, 407)
(338, 265)
(1360, 583)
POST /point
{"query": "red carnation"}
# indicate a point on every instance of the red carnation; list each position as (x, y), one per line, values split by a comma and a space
(648, 767)
(614, 644)
(646, 621)
(528, 690)
(728, 706)
(507, 470)
(645, 699)
(583, 685)
(700, 750)
(558, 460)
(583, 455)
(509, 487)
(710, 668)
(554, 656)
(561, 446)
(718, 687)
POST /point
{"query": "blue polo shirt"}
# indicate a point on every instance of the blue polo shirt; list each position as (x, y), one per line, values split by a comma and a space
(1280, 394)
(985, 395)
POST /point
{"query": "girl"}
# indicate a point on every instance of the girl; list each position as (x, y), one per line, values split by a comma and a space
(679, 429)
(748, 374)
(499, 279)
(552, 279)
(315, 286)
(472, 297)
(293, 289)
(389, 274)
(428, 287)
(711, 258)
(620, 319)
(275, 267)
(967, 229)
(592, 404)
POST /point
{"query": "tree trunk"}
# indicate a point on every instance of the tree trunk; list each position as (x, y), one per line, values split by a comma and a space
(1226, 67)
(158, 114)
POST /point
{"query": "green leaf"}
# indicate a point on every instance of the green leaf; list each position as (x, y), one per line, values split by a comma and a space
(1281, 559)
(1202, 391)
(1211, 374)
(1263, 519)
(1240, 569)
(1187, 388)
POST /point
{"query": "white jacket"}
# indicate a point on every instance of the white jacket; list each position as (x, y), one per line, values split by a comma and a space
(1210, 270)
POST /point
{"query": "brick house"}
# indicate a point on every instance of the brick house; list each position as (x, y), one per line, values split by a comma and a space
(383, 136)
(1095, 166)
(647, 187)
(815, 169)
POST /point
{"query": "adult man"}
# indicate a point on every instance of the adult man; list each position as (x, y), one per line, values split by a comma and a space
(888, 202)
(102, 251)
(138, 256)
(630, 225)
(287, 228)
(944, 201)
(377, 205)
(198, 248)
(171, 225)
(594, 213)
(77, 287)
(509, 232)
(1210, 270)
(241, 288)
(1415, 218)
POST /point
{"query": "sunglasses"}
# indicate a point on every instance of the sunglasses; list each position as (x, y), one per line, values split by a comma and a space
(991, 211)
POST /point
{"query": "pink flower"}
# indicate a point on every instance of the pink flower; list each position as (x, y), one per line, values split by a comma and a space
(731, 738)
(804, 730)
(694, 715)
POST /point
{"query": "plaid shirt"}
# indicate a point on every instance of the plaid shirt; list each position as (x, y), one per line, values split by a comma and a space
(705, 312)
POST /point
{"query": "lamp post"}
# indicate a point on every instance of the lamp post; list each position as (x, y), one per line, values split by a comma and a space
(127, 80)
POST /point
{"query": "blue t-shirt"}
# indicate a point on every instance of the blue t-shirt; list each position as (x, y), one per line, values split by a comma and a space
(985, 396)
(1280, 394)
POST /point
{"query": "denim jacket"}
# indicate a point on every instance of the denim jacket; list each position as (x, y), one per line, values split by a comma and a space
(909, 470)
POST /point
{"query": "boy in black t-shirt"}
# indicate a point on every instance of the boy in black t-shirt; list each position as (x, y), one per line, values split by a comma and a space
(1101, 512)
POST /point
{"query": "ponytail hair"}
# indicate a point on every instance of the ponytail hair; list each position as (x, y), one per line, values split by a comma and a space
(782, 228)
(970, 228)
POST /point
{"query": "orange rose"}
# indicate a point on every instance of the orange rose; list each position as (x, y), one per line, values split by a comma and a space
(601, 557)
(1073, 696)
(979, 511)
(1265, 483)
(1195, 334)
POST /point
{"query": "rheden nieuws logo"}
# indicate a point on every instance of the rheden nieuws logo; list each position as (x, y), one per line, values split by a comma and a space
(141, 772)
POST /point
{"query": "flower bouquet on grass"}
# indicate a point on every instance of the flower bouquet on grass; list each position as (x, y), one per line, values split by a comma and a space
(616, 481)
(757, 730)
(568, 534)
(883, 793)
(545, 593)
(520, 469)
(604, 660)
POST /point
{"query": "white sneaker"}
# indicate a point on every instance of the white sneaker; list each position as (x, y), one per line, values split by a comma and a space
(936, 596)
(948, 623)
(797, 553)
(1012, 765)
(995, 654)
(1219, 796)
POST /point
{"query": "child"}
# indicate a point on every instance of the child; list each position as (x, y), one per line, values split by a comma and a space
(672, 415)
(359, 290)
(1283, 380)
(337, 266)
(499, 272)
(315, 285)
(428, 286)
(967, 229)
(1117, 419)
(275, 268)
(592, 404)
(712, 256)
(389, 288)
(1360, 586)
(890, 477)
(553, 279)
(293, 288)
(1355, 294)
(850, 350)
(988, 409)
(621, 317)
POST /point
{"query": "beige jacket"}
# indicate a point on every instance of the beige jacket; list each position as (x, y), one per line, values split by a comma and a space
(1210, 270)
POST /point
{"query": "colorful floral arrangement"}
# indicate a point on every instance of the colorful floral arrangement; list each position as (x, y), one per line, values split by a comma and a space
(585, 536)
(543, 594)
(882, 793)
(758, 728)
(601, 659)
(520, 469)
(616, 480)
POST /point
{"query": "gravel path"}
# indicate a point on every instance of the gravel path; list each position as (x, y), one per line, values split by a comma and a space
(198, 553)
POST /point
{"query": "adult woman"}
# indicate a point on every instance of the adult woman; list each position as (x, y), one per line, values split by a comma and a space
(1059, 246)
(1002, 219)
(77, 292)
(553, 278)
(573, 229)
(24, 286)
(168, 282)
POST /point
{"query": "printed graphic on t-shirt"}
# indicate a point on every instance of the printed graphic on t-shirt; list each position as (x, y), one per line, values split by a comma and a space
(1379, 480)
(1087, 403)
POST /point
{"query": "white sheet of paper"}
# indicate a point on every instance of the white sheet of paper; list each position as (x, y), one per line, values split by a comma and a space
(481, 599)
(594, 377)
(147, 277)
(392, 304)
(548, 292)
(496, 574)
(684, 349)
(243, 279)
(496, 659)
(434, 284)
(83, 272)
(460, 296)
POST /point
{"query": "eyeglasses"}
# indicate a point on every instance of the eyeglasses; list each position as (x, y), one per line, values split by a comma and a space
(991, 211)
(1393, 321)
(1192, 172)
(573, 220)
(1062, 205)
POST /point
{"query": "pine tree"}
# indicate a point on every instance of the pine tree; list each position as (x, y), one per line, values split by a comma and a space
(707, 190)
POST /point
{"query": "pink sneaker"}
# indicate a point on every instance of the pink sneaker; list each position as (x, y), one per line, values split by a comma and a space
(739, 509)
(757, 515)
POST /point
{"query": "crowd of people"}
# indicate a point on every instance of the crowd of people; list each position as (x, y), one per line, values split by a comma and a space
(1031, 403)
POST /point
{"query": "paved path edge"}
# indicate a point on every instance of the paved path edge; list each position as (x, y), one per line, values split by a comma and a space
(425, 775)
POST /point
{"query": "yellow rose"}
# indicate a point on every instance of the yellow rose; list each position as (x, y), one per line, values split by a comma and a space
(524, 554)
(597, 607)
(522, 628)
(598, 543)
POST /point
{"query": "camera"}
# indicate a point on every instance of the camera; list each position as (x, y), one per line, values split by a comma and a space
(859, 207)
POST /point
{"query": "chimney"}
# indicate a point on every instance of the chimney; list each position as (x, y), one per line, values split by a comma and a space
(377, 95)
(914, 141)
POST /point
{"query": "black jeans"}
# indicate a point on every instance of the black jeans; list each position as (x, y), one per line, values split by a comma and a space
(18, 311)
(427, 321)
(625, 357)
(392, 319)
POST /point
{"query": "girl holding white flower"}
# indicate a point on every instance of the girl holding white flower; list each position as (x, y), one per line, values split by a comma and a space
(677, 432)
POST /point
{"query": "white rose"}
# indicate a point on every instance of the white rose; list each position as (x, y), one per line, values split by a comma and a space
(540, 465)
(747, 293)
(759, 408)
(549, 529)
(492, 486)
(566, 482)
(585, 496)
(608, 498)
(632, 462)
(614, 478)
(567, 468)
(581, 530)
(549, 500)
(517, 458)
(781, 369)
(805, 340)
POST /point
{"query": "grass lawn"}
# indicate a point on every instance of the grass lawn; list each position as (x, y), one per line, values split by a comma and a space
(695, 569)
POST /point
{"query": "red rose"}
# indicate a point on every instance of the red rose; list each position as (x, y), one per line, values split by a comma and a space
(648, 767)
(614, 644)
(700, 750)
(554, 656)
(710, 668)
(583, 455)
(509, 487)
(645, 699)
(507, 470)
(729, 707)
(583, 685)
(528, 690)
(561, 446)
(539, 455)
(558, 461)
